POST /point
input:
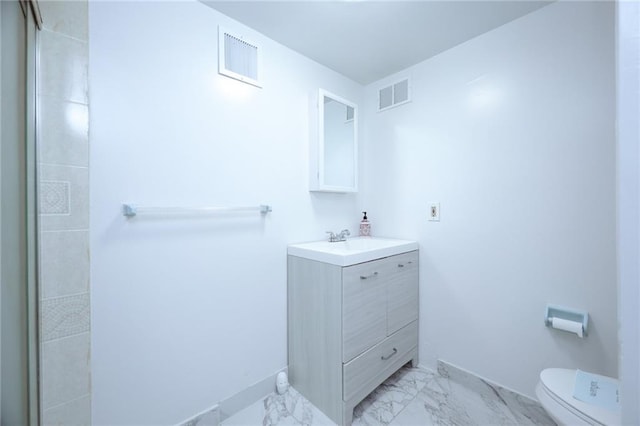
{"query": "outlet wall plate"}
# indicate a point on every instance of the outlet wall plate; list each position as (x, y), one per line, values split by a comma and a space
(434, 212)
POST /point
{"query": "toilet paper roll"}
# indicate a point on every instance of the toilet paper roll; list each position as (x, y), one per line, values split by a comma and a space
(566, 325)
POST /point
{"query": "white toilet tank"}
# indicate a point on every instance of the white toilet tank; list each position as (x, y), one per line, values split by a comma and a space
(555, 393)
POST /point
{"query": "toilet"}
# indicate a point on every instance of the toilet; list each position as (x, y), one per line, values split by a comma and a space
(555, 393)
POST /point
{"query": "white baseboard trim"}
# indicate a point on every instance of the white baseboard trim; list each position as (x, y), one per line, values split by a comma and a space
(475, 381)
(208, 417)
(246, 397)
(230, 406)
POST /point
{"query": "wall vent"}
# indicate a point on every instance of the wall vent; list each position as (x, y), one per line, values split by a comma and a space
(394, 95)
(350, 113)
(238, 57)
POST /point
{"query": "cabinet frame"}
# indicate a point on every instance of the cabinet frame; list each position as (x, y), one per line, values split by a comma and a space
(316, 357)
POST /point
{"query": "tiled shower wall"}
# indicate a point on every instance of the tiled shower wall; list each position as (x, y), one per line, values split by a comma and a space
(63, 169)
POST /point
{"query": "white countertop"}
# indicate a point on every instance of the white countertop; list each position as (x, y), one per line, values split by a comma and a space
(351, 251)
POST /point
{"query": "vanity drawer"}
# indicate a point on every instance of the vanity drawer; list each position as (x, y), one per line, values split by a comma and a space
(358, 372)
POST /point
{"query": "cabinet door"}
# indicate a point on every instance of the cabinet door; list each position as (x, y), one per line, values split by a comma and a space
(364, 307)
(402, 291)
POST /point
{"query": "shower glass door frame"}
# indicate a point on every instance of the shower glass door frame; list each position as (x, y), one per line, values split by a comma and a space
(34, 24)
(19, 347)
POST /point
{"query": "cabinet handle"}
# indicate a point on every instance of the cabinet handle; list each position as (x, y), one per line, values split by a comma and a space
(401, 265)
(364, 277)
(384, 358)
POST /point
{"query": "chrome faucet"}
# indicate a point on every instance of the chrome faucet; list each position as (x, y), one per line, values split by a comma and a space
(342, 236)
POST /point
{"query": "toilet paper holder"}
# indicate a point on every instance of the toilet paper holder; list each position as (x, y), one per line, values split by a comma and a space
(554, 311)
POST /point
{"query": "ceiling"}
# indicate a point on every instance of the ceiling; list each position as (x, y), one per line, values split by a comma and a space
(369, 40)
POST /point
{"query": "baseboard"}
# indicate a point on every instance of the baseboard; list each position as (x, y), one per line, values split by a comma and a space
(476, 382)
(230, 406)
(208, 417)
(246, 397)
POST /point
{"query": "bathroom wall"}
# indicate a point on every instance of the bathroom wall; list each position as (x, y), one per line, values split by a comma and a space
(63, 189)
(628, 185)
(513, 134)
(189, 311)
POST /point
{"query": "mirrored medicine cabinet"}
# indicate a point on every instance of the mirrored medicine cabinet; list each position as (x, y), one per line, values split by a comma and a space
(334, 153)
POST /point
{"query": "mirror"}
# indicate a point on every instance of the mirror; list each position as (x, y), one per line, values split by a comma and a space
(336, 165)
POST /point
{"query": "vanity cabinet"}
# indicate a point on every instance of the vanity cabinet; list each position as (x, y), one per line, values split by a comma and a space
(350, 328)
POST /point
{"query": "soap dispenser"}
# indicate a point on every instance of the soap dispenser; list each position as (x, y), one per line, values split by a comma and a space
(365, 226)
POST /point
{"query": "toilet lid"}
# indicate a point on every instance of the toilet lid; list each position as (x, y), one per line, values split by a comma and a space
(560, 383)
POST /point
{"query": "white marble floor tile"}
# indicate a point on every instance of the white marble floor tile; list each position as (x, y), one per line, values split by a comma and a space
(288, 409)
(413, 414)
(449, 403)
(391, 397)
(411, 397)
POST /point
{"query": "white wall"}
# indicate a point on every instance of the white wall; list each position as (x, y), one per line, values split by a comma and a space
(629, 206)
(513, 133)
(186, 312)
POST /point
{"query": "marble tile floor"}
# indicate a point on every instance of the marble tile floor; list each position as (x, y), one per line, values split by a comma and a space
(411, 397)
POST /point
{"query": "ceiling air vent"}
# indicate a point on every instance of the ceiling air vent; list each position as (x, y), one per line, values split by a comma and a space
(238, 57)
(394, 95)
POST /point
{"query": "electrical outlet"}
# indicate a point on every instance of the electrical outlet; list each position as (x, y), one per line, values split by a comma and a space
(434, 212)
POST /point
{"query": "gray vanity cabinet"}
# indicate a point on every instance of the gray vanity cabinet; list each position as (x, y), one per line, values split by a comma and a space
(350, 328)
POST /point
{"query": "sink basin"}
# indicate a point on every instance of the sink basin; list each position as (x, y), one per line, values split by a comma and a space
(352, 251)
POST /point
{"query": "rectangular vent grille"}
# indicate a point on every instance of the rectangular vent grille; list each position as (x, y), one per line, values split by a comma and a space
(238, 58)
(350, 113)
(394, 95)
